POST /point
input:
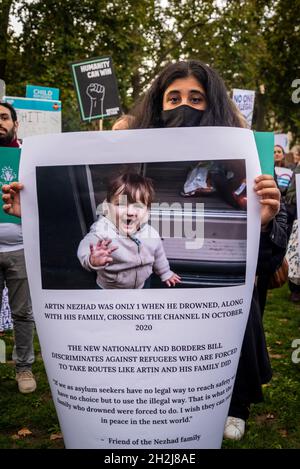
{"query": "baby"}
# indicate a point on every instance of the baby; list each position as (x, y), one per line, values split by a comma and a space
(121, 246)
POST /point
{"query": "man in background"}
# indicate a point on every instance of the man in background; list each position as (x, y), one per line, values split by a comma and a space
(13, 271)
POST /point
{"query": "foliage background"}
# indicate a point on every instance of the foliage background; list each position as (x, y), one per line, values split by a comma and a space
(254, 44)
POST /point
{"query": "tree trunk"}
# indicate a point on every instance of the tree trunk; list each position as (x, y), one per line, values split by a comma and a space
(260, 112)
(4, 20)
(136, 85)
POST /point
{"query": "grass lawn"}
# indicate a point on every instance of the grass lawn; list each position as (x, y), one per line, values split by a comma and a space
(272, 424)
(275, 423)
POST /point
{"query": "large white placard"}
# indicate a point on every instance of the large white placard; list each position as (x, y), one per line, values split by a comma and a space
(139, 368)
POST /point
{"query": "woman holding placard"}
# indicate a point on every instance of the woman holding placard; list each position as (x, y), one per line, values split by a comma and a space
(189, 94)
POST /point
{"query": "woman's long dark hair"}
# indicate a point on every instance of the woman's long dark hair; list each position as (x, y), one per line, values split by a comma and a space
(220, 108)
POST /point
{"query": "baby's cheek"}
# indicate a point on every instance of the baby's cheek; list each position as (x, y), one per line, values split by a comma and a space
(143, 217)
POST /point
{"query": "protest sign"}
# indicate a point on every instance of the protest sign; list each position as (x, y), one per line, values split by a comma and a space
(282, 140)
(5, 313)
(284, 176)
(244, 100)
(42, 92)
(36, 116)
(96, 88)
(265, 147)
(142, 367)
(9, 169)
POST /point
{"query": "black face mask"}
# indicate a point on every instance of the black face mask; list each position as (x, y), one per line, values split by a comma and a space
(181, 116)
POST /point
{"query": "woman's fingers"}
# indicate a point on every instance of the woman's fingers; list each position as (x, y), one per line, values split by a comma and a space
(7, 207)
(272, 202)
(271, 192)
(16, 186)
(264, 177)
(6, 198)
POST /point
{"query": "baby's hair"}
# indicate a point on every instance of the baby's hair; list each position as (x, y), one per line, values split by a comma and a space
(133, 185)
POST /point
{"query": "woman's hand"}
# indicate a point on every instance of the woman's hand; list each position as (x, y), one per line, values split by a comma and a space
(11, 198)
(266, 188)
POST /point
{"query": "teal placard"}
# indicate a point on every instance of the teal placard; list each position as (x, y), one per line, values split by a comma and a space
(9, 171)
(265, 147)
(42, 92)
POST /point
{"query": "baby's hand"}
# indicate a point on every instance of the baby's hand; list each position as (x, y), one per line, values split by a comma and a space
(171, 282)
(100, 255)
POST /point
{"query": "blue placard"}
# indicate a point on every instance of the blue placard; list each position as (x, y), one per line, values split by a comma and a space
(36, 104)
(42, 92)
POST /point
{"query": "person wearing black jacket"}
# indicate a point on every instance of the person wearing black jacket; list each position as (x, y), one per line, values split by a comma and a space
(189, 93)
(254, 367)
(272, 249)
(13, 271)
(291, 205)
(185, 94)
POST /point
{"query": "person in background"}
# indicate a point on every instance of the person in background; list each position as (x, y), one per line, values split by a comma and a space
(123, 122)
(292, 256)
(290, 197)
(293, 226)
(187, 94)
(296, 154)
(292, 157)
(279, 156)
(191, 94)
(13, 272)
(282, 173)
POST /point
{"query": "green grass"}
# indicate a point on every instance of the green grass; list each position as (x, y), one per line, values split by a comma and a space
(275, 423)
(34, 411)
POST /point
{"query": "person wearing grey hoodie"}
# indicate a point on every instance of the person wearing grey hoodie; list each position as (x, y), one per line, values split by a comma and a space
(121, 246)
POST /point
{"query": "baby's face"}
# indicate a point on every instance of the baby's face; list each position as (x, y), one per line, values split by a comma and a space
(128, 217)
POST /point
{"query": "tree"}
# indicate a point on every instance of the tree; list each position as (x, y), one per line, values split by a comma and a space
(250, 43)
(282, 66)
(5, 7)
(56, 33)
